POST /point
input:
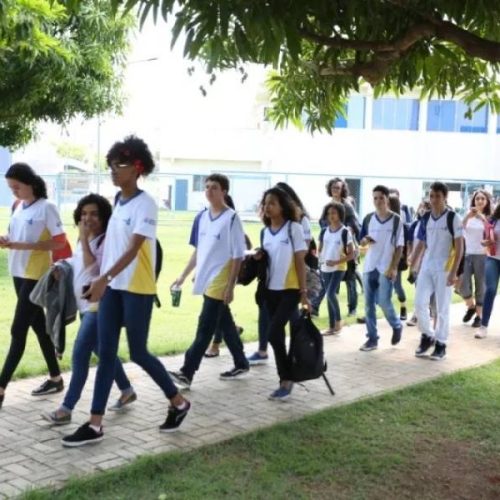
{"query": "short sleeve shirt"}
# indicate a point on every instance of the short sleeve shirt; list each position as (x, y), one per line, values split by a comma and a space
(218, 241)
(281, 246)
(333, 248)
(39, 221)
(474, 234)
(136, 215)
(380, 253)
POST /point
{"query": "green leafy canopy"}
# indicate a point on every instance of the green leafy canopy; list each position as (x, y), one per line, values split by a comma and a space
(322, 50)
(58, 61)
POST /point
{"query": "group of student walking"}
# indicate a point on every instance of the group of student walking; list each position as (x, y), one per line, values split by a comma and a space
(113, 277)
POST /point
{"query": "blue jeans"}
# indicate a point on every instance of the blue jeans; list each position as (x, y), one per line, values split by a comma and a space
(263, 325)
(119, 308)
(492, 271)
(85, 345)
(352, 294)
(398, 288)
(331, 282)
(214, 314)
(378, 289)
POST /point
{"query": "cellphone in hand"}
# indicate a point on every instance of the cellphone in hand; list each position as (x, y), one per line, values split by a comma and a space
(85, 289)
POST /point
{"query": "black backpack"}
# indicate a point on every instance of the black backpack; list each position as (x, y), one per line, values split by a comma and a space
(306, 356)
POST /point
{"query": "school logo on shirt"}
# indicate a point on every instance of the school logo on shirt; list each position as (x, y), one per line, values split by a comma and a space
(151, 222)
(127, 221)
(29, 221)
(285, 241)
(217, 236)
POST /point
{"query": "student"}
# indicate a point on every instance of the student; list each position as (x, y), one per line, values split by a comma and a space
(335, 249)
(382, 231)
(492, 270)
(475, 256)
(35, 229)
(91, 216)
(442, 251)
(219, 246)
(283, 240)
(126, 288)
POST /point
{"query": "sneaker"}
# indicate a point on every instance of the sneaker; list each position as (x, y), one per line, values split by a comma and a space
(481, 333)
(361, 321)
(54, 419)
(328, 331)
(180, 380)
(257, 359)
(82, 436)
(477, 322)
(412, 321)
(281, 394)
(426, 343)
(439, 352)
(369, 345)
(234, 373)
(403, 314)
(122, 402)
(48, 387)
(351, 314)
(468, 315)
(174, 419)
(396, 335)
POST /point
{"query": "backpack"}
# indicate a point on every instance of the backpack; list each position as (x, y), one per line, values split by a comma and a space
(450, 216)
(159, 256)
(306, 355)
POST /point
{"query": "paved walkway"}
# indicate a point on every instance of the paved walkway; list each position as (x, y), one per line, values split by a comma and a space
(30, 450)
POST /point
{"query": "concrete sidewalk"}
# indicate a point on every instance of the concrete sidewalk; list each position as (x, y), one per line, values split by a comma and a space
(31, 454)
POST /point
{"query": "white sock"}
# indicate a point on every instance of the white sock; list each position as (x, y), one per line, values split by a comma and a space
(97, 428)
(182, 406)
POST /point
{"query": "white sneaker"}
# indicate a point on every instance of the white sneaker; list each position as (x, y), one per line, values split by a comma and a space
(482, 332)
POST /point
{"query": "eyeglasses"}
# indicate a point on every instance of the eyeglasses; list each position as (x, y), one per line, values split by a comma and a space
(114, 165)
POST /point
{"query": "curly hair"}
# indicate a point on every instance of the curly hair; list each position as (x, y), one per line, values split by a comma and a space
(289, 209)
(487, 209)
(339, 207)
(103, 208)
(132, 150)
(344, 190)
(23, 173)
(293, 195)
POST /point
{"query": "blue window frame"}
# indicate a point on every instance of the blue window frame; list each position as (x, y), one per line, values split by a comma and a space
(449, 116)
(395, 114)
(498, 124)
(354, 114)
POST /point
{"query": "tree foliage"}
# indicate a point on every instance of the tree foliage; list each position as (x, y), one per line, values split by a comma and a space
(58, 62)
(322, 50)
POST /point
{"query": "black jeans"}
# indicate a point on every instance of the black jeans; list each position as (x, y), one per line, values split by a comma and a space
(281, 305)
(214, 315)
(27, 314)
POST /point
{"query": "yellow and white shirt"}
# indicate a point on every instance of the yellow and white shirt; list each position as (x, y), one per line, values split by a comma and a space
(39, 221)
(281, 247)
(218, 240)
(439, 247)
(137, 215)
(333, 248)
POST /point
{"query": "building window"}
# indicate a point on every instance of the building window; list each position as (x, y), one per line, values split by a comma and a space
(449, 116)
(498, 124)
(199, 183)
(354, 114)
(395, 114)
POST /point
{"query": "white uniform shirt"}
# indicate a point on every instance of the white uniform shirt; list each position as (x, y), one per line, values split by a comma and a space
(474, 234)
(82, 275)
(137, 215)
(306, 227)
(218, 241)
(36, 222)
(333, 248)
(380, 253)
(440, 251)
(281, 249)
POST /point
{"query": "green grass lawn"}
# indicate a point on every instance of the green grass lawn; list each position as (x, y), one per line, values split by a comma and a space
(436, 440)
(172, 329)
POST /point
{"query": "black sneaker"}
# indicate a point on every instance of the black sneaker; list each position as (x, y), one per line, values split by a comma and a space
(174, 418)
(48, 387)
(180, 380)
(361, 321)
(82, 436)
(396, 335)
(468, 315)
(369, 345)
(439, 352)
(234, 373)
(426, 343)
(403, 314)
(477, 322)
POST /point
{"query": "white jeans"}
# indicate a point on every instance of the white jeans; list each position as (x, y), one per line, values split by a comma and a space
(429, 282)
